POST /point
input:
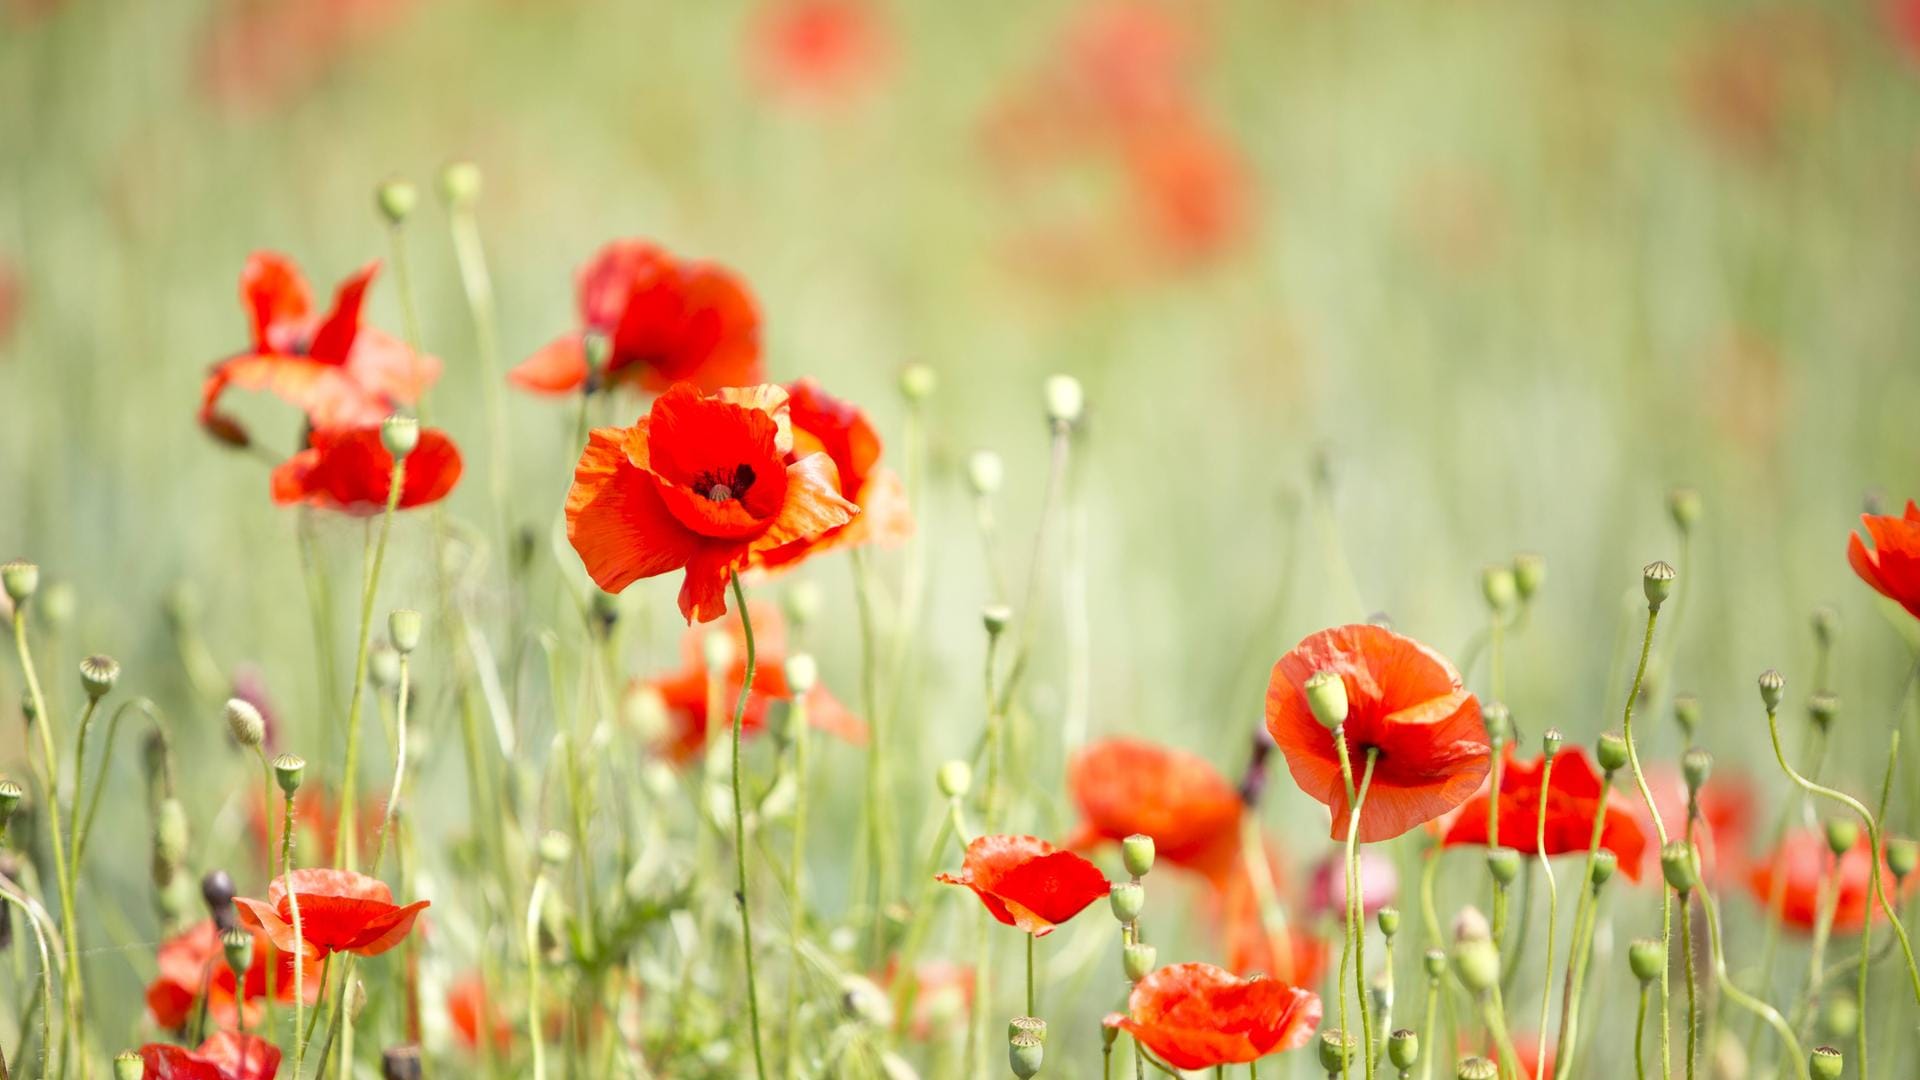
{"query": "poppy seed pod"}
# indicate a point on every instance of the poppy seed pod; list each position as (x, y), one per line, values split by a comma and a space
(1611, 752)
(1657, 582)
(400, 1063)
(985, 472)
(1683, 503)
(1499, 721)
(1826, 626)
(1025, 1055)
(237, 944)
(1065, 400)
(1380, 992)
(400, 434)
(717, 651)
(555, 848)
(1605, 862)
(98, 674)
(128, 1065)
(1403, 1048)
(1434, 961)
(245, 723)
(1389, 919)
(1686, 713)
(403, 629)
(1477, 964)
(1529, 573)
(1327, 697)
(1550, 742)
(1695, 766)
(996, 617)
(460, 184)
(1676, 862)
(10, 795)
(1822, 709)
(396, 199)
(1645, 958)
(1137, 854)
(1127, 900)
(1336, 1050)
(1504, 865)
(1476, 1068)
(955, 778)
(1773, 688)
(1902, 854)
(288, 771)
(1839, 1016)
(1498, 586)
(1826, 1063)
(1842, 835)
(802, 602)
(1137, 960)
(1027, 1025)
(918, 382)
(216, 888)
(20, 578)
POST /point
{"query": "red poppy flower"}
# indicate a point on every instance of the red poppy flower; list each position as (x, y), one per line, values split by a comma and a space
(337, 371)
(340, 911)
(684, 694)
(1893, 566)
(194, 962)
(1028, 883)
(827, 425)
(666, 321)
(1191, 190)
(224, 1056)
(819, 51)
(1196, 1016)
(1128, 786)
(1406, 701)
(471, 1011)
(350, 470)
(1572, 803)
(1804, 861)
(1254, 945)
(700, 484)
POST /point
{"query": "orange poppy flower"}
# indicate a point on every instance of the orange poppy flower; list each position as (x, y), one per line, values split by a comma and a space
(701, 484)
(471, 1011)
(1805, 861)
(1197, 1016)
(1128, 786)
(819, 51)
(1404, 700)
(337, 371)
(350, 470)
(194, 962)
(1191, 190)
(666, 321)
(684, 693)
(340, 911)
(1028, 883)
(1572, 803)
(224, 1056)
(825, 424)
(1893, 566)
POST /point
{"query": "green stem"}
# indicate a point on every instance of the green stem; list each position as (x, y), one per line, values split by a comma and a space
(535, 1029)
(1584, 915)
(347, 849)
(1640, 1033)
(1660, 829)
(399, 765)
(1742, 998)
(477, 283)
(1356, 928)
(1553, 903)
(79, 781)
(740, 831)
(796, 882)
(1693, 1005)
(72, 1037)
(876, 815)
(301, 1031)
(84, 822)
(10, 893)
(1030, 1002)
(1490, 1013)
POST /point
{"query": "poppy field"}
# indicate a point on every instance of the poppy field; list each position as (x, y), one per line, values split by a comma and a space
(796, 539)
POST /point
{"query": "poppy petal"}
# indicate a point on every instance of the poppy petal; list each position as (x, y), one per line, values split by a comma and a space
(333, 341)
(560, 367)
(616, 520)
(275, 294)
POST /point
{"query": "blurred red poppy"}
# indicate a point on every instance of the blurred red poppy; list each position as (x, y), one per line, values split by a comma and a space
(1405, 701)
(1572, 804)
(1291, 951)
(701, 484)
(1128, 786)
(666, 320)
(316, 824)
(1893, 566)
(258, 55)
(1191, 190)
(327, 364)
(819, 51)
(1197, 1016)
(193, 962)
(350, 470)
(1802, 862)
(1028, 883)
(340, 911)
(471, 1011)
(1726, 815)
(684, 694)
(825, 424)
(224, 1056)
(9, 299)
(941, 991)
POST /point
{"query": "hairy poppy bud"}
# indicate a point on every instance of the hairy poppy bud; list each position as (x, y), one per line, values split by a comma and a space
(985, 472)
(1403, 1048)
(288, 771)
(555, 848)
(1503, 864)
(10, 795)
(1477, 964)
(1550, 742)
(1127, 900)
(97, 676)
(1683, 503)
(1646, 958)
(1842, 835)
(1434, 961)
(1336, 1050)
(1065, 400)
(20, 578)
(918, 382)
(237, 944)
(396, 199)
(955, 779)
(1902, 854)
(996, 618)
(802, 602)
(1826, 626)
(1499, 722)
(400, 1063)
(1686, 713)
(1657, 582)
(717, 651)
(1611, 752)
(1822, 708)
(400, 434)
(1826, 1063)
(1497, 584)
(245, 723)
(1605, 863)
(129, 1065)
(383, 666)
(356, 998)
(1476, 1068)
(1389, 919)
(216, 888)
(1110, 1030)
(1327, 697)
(1839, 1017)
(403, 629)
(1136, 854)
(1773, 687)
(460, 184)
(1025, 1055)
(1137, 960)
(1529, 573)
(1695, 766)
(1027, 1025)
(1676, 862)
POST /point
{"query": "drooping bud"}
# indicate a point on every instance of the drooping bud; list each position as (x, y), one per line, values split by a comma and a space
(237, 944)
(1605, 862)
(1403, 1048)
(1138, 961)
(1646, 958)
(1902, 855)
(1327, 697)
(996, 618)
(1476, 1068)
(245, 723)
(1471, 925)
(1389, 919)
(1686, 713)
(1826, 1063)
(20, 578)
(985, 472)
(1503, 864)
(1773, 688)
(1657, 582)
(129, 1065)
(1027, 1025)
(216, 888)
(1677, 863)
(97, 676)
(400, 434)
(1065, 400)
(403, 629)
(1683, 503)
(1842, 835)
(1336, 1050)
(1695, 766)
(400, 1063)
(1550, 742)
(1839, 1017)
(1498, 586)
(288, 771)
(954, 779)
(396, 199)
(1434, 963)
(1499, 722)
(1822, 709)
(918, 382)
(1136, 854)
(1127, 900)
(1529, 573)
(460, 184)
(1025, 1054)
(1611, 752)
(802, 602)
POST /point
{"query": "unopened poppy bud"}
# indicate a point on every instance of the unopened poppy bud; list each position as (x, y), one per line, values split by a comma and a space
(1471, 925)
(1434, 962)
(918, 382)
(1683, 503)
(1127, 900)
(555, 848)
(97, 676)
(403, 629)
(1529, 573)
(1550, 742)
(1605, 863)
(598, 349)
(288, 771)
(1327, 697)
(400, 1063)
(1822, 709)
(237, 944)
(1686, 713)
(1902, 854)
(1695, 766)
(1646, 958)
(1498, 586)
(216, 888)
(1136, 854)
(1336, 1051)
(1403, 1048)
(1657, 582)
(1773, 688)
(1137, 960)
(460, 184)
(996, 617)
(1504, 865)
(20, 578)
(1839, 1017)
(10, 795)
(1676, 862)
(1476, 1068)
(1611, 752)
(985, 472)
(1842, 835)
(396, 199)
(1826, 1063)
(383, 666)
(1389, 918)
(1826, 626)
(955, 779)
(1477, 964)
(1025, 1055)
(802, 601)
(716, 649)
(1110, 1030)
(129, 1065)
(1499, 723)
(864, 1002)
(1065, 400)
(400, 434)
(1027, 1025)
(169, 832)
(245, 723)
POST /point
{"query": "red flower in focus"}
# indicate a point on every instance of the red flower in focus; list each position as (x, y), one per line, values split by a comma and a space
(825, 424)
(701, 484)
(1893, 566)
(1802, 862)
(224, 1056)
(1405, 701)
(340, 911)
(1572, 803)
(471, 1011)
(327, 364)
(819, 51)
(194, 962)
(1128, 786)
(1196, 1016)
(1028, 883)
(684, 695)
(665, 320)
(350, 470)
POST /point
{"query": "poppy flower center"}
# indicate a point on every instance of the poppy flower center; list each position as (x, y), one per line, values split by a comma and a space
(725, 484)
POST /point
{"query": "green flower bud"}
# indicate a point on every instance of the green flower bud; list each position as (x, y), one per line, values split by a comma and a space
(1503, 864)
(1826, 626)
(1110, 1030)
(1389, 919)
(20, 578)
(383, 666)
(238, 946)
(918, 382)
(1336, 1050)
(1826, 1063)
(1499, 722)
(955, 778)
(1604, 864)
(1477, 1068)
(396, 199)
(170, 832)
(1773, 687)
(1498, 586)
(1686, 713)
(1611, 752)
(403, 629)
(1471, 925)
(555, 848)
(97, 676)
(57, 604)
(1027, 1025)
(1822, 708)
(1327, 697)
(598, 349)
(1434, 962)
(245, 723)
(400, 434)
(996, 618)
(985, 472)
(1646, 958)
(1065, 400)
(1136, 854)
(1839, 1017)
(1138, 961)
(1677, 863)
(460, 184)
(1127, 900)
(1657, 582)
(1842, 835)
(129, 1065)
(1902, 855)
(1683, 503)
(1550, 742)
(1695, 766)
(1403, 1048)
(1025, 1054)
(1476, 963)
(288, 770)
(1529, 573)
(10, 795)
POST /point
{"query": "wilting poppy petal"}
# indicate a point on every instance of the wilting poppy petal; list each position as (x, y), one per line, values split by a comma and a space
(1027, 883)
(333, 339)
(1197, 1016)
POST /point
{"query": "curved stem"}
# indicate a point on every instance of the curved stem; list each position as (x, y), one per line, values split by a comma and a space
(535, 1031)
(1660, 829)
(11, 894)
(1742, 998)
(796, 882)
(72, 1032)
(1356, 926)
(876, 815)
(399, 766)
(1578, 954)
(1640, 1033)
(740, 832)
(348, 847)
(85, 821)
(299, 941)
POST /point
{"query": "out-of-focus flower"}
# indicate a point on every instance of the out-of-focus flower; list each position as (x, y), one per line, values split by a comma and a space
(224, 1056)
(827, 425)
(1197, 1016)
(471, 1011)
(1295, 954)
(316, 824)
(701, 484)
(819, 52)
(1757, 73)
(1128, 786)
(350, 470)
(10, 294)
(1327, 886)
(1802, 862)
(1406, 702)
(1727, 804)
(340, 911)
(665, 320)
(1027, 883)
(259, 53)
(1892, 566)
(942, 990)
(1191, 190)
(193, 963)
(1572, 804)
